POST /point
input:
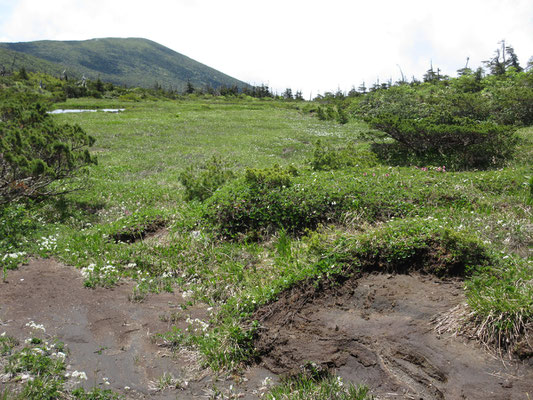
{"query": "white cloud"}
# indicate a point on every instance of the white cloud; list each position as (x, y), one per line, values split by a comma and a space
(305, 44)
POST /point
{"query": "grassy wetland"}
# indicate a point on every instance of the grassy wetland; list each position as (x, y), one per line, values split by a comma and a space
(257, 209)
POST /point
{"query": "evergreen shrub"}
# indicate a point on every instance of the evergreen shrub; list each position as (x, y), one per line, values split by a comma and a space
(35, 151)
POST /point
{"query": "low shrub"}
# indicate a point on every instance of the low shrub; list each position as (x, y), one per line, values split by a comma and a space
(332, 113)
(270, 178)
(244, 209)
(459, 143)
(35, 151)
(441, 125)
(202, 181)
(510, 97)
(326, 158)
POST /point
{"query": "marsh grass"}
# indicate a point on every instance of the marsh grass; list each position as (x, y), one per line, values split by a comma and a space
(318, 223)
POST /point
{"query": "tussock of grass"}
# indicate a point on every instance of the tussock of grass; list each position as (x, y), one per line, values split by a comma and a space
(501, 300)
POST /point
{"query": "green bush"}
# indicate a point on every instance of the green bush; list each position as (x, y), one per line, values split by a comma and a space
(321, 114)
(342, 116)
(201, 182)
(254, 206)
(332, 113)
(244, 208)
(443, 125)
(459, 143)
(270, 178)
(326, 158)
(35, 151)
(510, 97)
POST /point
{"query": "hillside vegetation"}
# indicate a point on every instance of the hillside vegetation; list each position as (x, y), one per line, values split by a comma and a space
(129, 62)
(11, 60)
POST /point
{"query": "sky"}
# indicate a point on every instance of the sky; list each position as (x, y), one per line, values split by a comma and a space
(308, 45)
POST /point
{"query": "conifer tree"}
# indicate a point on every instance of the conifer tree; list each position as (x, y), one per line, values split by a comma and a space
(189, 88)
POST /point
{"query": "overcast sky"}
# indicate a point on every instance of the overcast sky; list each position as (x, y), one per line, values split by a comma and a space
(308, 45)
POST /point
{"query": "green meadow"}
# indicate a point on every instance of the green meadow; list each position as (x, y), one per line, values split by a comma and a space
(234, 200)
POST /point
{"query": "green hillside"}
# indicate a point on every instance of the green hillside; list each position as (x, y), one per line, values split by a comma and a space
(11, 60)
(130, 62)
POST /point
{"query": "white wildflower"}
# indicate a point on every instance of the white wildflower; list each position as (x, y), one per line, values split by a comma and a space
(79, 375)
(267, 381)
(33, 325)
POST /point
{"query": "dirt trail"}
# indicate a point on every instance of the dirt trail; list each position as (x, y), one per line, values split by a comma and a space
(376, 330)
(107, 335)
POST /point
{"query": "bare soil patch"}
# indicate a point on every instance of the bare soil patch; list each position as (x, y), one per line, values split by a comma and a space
(107, 335)
(372, 329)
(376, 329)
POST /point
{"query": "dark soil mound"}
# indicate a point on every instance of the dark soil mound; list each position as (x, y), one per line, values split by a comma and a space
(376, 329)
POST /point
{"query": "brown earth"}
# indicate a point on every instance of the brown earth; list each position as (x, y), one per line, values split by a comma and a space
(373, 329)
(107, 335)
(376, 329)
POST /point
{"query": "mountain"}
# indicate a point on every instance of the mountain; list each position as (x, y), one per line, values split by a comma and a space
(130, 62)
(13, 61)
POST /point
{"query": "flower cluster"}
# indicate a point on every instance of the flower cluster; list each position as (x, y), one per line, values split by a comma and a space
(77, 375)
(33, 325)
(13, 256)
(197, 324)
(437, 169)
(108, 275)
(48, 243)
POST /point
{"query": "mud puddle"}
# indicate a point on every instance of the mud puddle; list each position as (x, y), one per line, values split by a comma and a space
(109, 337)
(376, 330)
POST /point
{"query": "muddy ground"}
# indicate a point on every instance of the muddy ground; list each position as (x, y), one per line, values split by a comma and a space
(375, 329)
(109, 337)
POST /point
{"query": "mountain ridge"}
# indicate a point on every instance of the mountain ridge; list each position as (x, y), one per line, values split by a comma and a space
(124, 61)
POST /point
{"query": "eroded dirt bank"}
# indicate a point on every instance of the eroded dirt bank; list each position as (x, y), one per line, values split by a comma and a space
(376, 329)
